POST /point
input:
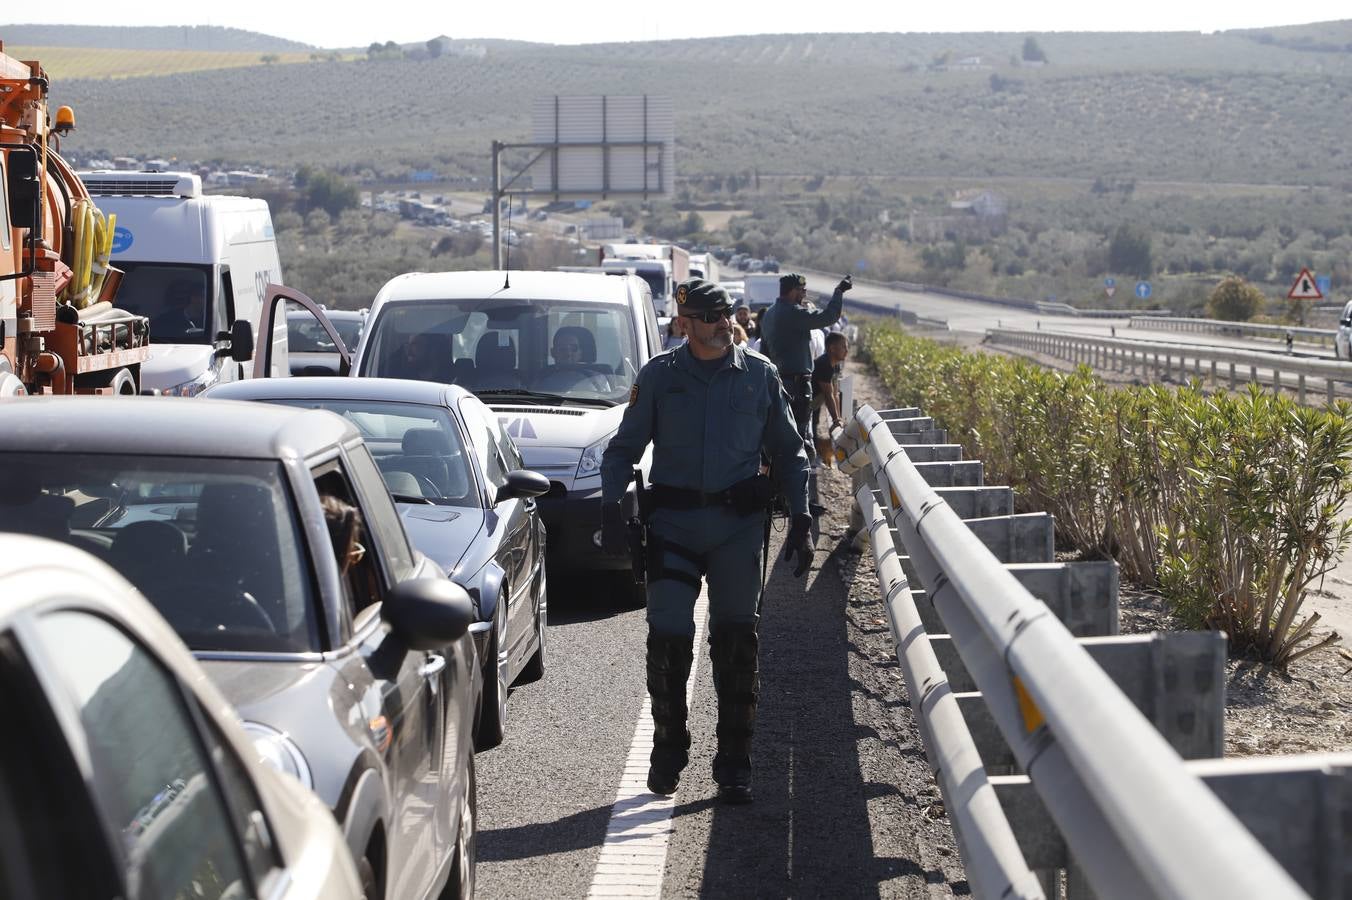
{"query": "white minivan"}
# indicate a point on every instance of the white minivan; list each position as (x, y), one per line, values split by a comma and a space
(198, 267)
(553, 354)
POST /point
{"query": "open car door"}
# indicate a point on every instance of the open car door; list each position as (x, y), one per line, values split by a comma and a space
(273, 318)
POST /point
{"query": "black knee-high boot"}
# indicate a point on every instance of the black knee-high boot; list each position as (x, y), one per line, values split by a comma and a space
(733, 650)
(669, 659)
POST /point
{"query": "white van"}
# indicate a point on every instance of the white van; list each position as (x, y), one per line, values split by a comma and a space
(554, 355)
(1342, 340)
(198, 266)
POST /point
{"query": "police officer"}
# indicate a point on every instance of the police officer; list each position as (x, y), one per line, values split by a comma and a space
(708, 408)
(786, 337)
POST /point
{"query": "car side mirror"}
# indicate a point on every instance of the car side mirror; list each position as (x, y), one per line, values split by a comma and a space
(241, 341)
(428, 613)
(523, 483)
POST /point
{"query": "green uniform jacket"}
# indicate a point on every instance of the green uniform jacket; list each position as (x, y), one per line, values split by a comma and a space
(786, 332)
(707, 430)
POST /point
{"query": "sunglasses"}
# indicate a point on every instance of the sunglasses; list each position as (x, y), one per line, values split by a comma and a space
(710, 316)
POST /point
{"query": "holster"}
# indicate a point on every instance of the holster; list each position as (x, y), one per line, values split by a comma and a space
(640, 537)
(752, 495)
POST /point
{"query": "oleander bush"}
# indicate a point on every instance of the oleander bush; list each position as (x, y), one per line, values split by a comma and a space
(1229, 504)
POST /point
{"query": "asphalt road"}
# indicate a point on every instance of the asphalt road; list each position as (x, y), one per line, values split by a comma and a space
(845, 805)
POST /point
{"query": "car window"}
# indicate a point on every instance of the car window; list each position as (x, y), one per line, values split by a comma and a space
(484, 428)
(174, 297)
(152, 778)
(45, 808)
(417, 447)
(246, 808)
(381, 516)
(212, 543)
(349, 531)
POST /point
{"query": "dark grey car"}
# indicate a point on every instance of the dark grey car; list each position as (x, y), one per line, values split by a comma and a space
(458, 482)
(359, 680)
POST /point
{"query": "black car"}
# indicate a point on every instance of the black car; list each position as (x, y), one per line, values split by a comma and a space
(462, 490)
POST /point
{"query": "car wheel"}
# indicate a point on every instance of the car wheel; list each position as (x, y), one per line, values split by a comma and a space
(534, 669)
(492, 724)
(460, 884)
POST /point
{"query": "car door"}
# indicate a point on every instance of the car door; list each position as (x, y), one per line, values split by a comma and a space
(400, 691)
(272, 321)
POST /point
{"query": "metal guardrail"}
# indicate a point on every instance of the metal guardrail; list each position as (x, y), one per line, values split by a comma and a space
(1101, 793)
(1171, 360)
(1321, 336)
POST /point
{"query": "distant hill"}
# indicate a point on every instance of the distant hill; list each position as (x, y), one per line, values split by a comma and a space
(1187, 107)
(172, 37)
(1325, 37)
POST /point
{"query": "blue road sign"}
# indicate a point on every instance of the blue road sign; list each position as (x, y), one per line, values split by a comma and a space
(1324, 283)
(1110, 282)
(1143, 290)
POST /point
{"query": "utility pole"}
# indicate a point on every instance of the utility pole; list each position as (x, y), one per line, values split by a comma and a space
(497, 205)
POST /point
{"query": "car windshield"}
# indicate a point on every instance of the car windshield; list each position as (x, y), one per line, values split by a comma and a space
(417, 447)
(553, 349)
(173, 297)
(212, 543)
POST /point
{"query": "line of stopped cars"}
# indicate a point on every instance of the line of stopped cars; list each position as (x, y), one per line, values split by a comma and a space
(356, 565)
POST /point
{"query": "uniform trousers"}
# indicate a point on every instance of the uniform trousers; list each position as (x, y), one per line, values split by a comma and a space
(731, 548)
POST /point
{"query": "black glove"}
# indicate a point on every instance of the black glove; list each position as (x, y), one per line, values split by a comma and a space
(614, 530)
(799, 541)
(845, 284)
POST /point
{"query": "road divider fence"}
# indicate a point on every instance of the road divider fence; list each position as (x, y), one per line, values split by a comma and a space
(1179, 362)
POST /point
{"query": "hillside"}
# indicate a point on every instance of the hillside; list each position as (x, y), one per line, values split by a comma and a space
(177, 37)
(1172, 107)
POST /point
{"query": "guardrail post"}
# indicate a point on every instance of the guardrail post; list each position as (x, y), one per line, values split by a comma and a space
(1300, 389)
(1328, 386)
(1213, 373)
(1253, 373)
(1232, 376)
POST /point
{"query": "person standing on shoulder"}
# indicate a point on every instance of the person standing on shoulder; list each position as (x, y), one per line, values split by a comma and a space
(786, 338)
(826, 374)
(709, 408)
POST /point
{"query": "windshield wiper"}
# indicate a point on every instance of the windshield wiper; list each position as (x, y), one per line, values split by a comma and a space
(543, 398)
(411, 498)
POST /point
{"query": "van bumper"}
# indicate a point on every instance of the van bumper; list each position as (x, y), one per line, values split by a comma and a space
(572, 521)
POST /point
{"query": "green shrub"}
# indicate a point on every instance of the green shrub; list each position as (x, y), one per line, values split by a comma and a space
(1228, 504)
(1236, 300)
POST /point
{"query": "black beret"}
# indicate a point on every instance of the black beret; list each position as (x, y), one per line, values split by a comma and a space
(697, 295)
(791, 281)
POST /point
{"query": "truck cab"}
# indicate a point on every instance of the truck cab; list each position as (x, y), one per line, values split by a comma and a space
(196, 265)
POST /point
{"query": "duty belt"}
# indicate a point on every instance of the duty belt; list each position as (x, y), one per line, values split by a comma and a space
(745, 495)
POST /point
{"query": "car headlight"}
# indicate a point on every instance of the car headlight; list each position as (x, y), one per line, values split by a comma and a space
(280, 752)
(590, 464)
(194, 387)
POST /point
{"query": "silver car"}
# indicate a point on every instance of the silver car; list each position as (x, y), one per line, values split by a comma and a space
(125, 772)
(358, 676)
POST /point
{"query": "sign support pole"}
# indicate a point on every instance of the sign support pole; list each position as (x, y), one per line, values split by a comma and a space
(497, 205)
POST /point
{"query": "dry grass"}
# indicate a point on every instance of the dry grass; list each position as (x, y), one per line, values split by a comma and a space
(86, 62)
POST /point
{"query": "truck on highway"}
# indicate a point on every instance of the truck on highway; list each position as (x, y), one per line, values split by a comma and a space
(704, 265)
(760, 291)
(663, 266)
(59, 330)
(197, 265)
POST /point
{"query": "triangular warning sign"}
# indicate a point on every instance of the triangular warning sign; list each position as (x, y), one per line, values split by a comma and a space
(1305, 288)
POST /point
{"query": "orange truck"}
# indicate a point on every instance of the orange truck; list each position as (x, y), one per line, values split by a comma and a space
(60, 332)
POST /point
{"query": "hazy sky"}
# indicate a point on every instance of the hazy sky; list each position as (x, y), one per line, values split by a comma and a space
(345, 24)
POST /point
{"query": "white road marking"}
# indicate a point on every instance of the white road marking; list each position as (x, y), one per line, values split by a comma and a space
(634, 856)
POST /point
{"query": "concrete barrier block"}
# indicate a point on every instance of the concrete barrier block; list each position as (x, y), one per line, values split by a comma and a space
(919, 453)
(934, 436)
(1296, 806)
(1176, 680)
(910, 426)
(1083, 595)
(978, 502)
(1025, 538)
(967, 473)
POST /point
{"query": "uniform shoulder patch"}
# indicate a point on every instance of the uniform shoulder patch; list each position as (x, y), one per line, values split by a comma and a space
(633, 393)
